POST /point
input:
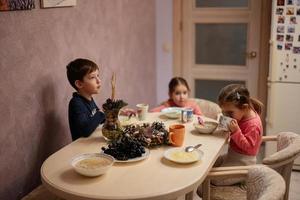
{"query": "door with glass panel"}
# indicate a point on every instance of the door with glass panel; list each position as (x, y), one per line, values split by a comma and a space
(220, 40)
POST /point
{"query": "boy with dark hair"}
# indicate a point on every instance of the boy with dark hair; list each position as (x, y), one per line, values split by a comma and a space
(84, 115)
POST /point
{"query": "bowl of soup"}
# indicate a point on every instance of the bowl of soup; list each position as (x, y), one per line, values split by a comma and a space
(92, 164)
(207, 127)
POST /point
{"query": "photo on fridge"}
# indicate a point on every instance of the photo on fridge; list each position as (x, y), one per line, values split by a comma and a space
(288, 46)
(289, 38)
(293, 20)
(291, 29)
(279, 11)
(296, 50)
(280, 20)
(280, 29)
(289, 11)
(280, 2)
(280, 38)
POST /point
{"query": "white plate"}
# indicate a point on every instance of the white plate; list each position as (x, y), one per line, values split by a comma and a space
(172, 112)
(144, 156)
(178, 155)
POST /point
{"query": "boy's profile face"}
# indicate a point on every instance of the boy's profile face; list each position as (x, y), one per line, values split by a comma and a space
(90, 84)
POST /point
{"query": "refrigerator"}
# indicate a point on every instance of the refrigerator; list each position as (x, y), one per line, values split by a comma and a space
(283, 106)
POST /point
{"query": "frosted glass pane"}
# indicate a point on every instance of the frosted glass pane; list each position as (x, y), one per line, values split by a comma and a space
(209, 89)
(223, 44)
(222, 3)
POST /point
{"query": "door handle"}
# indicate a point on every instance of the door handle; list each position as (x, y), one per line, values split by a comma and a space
(251, 54)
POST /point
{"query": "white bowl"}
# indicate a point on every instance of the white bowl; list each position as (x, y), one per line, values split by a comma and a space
(92, 164)
(172, 112)
(208, 127)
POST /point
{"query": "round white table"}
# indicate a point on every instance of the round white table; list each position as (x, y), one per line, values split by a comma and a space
(154, 178)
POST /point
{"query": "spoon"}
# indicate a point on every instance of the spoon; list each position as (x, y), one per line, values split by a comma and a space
(192, 148)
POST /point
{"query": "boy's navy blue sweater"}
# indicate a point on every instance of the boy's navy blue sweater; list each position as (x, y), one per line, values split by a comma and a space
(84, 116)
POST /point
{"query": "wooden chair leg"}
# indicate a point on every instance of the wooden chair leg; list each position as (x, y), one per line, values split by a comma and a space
(189, 196)
(206, 190)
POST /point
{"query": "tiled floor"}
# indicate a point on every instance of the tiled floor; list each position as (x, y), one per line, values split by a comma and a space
(294, 188)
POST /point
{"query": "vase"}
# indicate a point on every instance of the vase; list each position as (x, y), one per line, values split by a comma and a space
(112, 128)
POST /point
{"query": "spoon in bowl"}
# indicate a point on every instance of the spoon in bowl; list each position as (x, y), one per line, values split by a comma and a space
(192, 148)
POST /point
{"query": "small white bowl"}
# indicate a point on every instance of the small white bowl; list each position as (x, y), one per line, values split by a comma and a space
(172, 112)
(92, 164)
(207, 128)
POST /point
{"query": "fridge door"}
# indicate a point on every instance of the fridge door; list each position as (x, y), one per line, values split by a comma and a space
(283, 112)
(284, 43)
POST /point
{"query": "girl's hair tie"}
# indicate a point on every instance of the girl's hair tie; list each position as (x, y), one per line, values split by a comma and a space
(238, 96)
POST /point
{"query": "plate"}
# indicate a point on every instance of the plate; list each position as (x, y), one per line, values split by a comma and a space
(144, 156)
(172, 112)
(178, 155)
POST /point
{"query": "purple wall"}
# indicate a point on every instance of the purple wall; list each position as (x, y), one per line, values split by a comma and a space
(35, 47)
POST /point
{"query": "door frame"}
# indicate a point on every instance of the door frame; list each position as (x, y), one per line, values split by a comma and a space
(265, 30)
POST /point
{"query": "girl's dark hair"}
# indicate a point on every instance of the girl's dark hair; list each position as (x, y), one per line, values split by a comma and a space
(78, 68)
(177, 81)
(238, 95)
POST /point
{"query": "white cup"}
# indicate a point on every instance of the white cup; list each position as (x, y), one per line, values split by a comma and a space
(142, 110)
(224, 121)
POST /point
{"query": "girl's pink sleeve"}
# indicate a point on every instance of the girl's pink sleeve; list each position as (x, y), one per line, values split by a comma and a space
(248, 140)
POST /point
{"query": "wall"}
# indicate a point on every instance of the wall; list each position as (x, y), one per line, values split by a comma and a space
(35, 46)
(164, 52)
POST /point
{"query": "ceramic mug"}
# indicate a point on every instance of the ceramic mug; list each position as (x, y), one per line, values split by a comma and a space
(224, 121)
(186, 115)
(142, 110)
(176, 134)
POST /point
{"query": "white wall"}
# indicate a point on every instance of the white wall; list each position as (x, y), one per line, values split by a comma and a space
(164, 54)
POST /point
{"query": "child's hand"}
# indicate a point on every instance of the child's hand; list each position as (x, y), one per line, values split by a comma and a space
(233, 126)
(128, 112)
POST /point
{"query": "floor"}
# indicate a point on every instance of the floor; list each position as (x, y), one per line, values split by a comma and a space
(294, 188)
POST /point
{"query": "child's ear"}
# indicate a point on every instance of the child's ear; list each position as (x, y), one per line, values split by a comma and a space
(78, 84)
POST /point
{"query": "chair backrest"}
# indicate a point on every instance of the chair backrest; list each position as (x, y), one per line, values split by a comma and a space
(288, 149)
(264, 183)
(208, 108)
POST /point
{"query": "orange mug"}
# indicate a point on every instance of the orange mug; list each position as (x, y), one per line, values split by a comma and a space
(176, 134)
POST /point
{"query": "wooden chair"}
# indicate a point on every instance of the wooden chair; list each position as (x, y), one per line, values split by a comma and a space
(262, 183)
(208, 108)
(288, 149)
